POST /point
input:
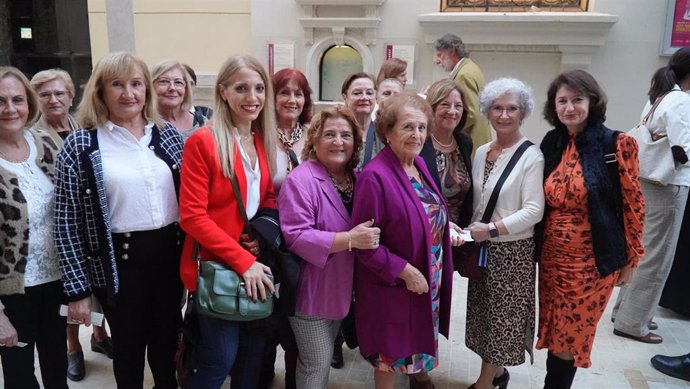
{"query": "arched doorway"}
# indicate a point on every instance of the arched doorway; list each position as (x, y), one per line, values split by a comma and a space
(336, 64)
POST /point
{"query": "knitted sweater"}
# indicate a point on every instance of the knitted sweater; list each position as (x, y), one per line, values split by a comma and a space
(14, 223)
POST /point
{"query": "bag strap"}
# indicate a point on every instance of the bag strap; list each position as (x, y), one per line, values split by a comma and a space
(243, 211)
(501, 180)
(651, 110)
(611, 162)
(240, 204)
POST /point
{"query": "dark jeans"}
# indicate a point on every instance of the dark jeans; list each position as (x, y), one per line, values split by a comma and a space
(217, 351)
(246, 371)
(146, 315)
(35, 317)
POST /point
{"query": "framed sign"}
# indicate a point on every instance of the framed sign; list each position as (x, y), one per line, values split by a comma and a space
(677, 26)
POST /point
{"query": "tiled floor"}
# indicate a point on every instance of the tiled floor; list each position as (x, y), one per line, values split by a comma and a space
(618, 363)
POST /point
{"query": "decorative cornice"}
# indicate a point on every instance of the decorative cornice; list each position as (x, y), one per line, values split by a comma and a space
(577, 35)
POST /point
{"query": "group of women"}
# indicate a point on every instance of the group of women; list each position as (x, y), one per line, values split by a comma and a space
(375, 208)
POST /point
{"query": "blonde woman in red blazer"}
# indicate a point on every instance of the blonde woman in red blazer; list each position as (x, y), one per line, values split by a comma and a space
(234, 144)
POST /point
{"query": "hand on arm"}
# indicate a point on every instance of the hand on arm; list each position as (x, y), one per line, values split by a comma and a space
(363, 236)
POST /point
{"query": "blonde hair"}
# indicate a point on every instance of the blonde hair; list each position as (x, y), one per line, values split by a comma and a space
(167, 65)
(92, 111)
(222, 117)
(31, 96)
(49, 75)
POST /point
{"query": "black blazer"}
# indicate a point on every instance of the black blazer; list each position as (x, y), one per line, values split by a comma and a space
(429, 155)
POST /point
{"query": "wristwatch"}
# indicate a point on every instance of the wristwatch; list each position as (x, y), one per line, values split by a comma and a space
(493, 231)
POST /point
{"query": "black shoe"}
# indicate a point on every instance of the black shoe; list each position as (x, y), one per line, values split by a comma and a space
(678, 367)
(104, 346)
(337, 360)
(75, 366)
(502, 381)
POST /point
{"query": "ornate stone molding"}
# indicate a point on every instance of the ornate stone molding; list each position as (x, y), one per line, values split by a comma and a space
(577, 35)
(369, 23)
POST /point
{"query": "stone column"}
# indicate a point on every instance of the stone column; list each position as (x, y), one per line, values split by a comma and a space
(120, 16)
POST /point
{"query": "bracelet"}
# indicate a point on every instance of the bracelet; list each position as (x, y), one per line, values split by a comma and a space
(349, 242)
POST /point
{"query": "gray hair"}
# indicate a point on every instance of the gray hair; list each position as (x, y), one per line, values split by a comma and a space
(451, 42)
(503, 86)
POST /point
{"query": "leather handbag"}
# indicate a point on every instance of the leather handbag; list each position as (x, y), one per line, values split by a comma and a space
(221, 294)
(657, 164)
(474, 256)
(221, 291)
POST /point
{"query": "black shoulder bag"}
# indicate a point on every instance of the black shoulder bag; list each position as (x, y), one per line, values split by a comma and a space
(475, 259)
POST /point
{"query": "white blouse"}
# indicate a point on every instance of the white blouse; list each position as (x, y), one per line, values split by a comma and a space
(253, 178)
(672, 116)
(139, 186)
(41, 263)
(520, 203)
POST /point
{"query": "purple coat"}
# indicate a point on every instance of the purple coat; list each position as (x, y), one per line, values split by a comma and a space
(311, 212)
(390, 319)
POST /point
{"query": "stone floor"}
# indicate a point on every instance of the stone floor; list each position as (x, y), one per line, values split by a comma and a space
(618, 363)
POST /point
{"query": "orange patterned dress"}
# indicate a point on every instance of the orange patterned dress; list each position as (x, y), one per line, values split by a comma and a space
(572, 294)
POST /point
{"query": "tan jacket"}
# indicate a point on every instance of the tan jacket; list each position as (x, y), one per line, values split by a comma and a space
(471, 79)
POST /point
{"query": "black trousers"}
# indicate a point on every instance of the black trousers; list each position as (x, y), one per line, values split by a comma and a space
(35, 316)
(146, 314)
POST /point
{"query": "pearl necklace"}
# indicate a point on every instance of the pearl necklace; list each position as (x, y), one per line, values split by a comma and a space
(443, 145)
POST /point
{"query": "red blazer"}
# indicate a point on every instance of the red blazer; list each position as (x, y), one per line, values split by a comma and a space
(208, 210)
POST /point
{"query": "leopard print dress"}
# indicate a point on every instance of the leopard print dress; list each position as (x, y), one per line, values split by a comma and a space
(500, 305)
(572, 294)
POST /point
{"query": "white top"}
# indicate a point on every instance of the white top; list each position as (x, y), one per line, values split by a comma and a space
(282, 162)
(42, 262)
(253, 178)
(138, 185)
(672, 116)
(520, 203)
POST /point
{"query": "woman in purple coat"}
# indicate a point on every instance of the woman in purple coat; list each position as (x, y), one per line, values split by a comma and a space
(403, 287)
(315, 203)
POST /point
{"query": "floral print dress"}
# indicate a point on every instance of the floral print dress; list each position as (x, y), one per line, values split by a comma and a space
(572, 294)
(437, 216)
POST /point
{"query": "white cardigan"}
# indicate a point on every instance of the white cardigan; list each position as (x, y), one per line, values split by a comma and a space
(672, 116)
(520, 204)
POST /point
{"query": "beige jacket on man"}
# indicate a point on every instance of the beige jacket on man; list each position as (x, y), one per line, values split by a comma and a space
(471, 79)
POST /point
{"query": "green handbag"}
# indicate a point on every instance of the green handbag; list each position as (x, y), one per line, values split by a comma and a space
(221, 294)
(220, 290)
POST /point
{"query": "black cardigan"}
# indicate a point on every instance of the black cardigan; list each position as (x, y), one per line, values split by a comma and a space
(429, 155)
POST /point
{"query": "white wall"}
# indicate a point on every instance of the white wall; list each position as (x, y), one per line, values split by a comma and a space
(623, 65)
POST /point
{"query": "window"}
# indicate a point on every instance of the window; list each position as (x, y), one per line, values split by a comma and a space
(337, 63)
(513, 5)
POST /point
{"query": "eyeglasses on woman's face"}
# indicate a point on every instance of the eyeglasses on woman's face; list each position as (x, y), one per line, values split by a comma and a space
(498, 110)
(165, 83)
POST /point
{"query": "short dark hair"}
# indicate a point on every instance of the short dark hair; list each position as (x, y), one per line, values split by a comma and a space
(316, 131)
(355, 76)
(581, 82)
(451, 42)
(282, 77)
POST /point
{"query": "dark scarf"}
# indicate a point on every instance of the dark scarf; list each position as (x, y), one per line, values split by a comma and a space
(608, 237)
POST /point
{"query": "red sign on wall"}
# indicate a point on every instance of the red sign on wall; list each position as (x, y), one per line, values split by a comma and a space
(680, 33)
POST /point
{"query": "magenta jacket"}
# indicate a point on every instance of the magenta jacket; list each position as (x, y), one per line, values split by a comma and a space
(311, 212)
(390, 319)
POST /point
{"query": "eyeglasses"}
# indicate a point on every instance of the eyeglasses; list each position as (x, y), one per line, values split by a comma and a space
(510, 111)
(60, 94)
(165, 83)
